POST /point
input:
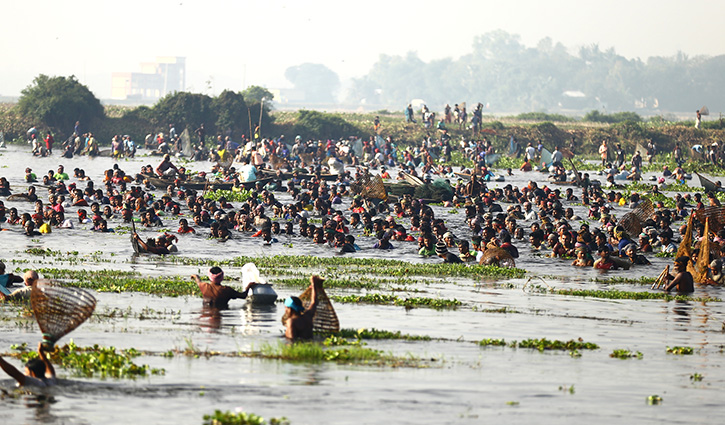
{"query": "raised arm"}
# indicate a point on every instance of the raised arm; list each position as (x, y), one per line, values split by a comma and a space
(12, 371)
(49, 369)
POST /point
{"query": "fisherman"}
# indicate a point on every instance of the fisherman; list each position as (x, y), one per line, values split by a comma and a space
(683, 280)
(39, 372)
(7, 280)
(23, 293)
(217, 295)
(299, 322)
(166, 168)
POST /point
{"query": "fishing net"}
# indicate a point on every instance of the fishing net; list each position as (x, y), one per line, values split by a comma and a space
(369, 186)
(634, 220)
(703, 259)
(438, 191)
(59, 309)
(715, 215)
(497, 257)
(325, 317)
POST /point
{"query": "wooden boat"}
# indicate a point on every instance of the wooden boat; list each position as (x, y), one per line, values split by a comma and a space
(709, 185)
(288, 175)
(162, 183)
(411, 179)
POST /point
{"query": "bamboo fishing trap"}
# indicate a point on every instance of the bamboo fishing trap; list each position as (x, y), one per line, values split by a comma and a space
(59, 310)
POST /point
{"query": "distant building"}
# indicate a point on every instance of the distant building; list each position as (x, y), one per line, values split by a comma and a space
(156, 80)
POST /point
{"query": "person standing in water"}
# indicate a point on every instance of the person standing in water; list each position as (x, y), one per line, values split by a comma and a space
(299, 320)
(218, 295)
(39, 372)
(683, 280)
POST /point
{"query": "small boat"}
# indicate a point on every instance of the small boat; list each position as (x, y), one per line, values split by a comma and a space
(288, 175)
(709, 185)
(411, 179)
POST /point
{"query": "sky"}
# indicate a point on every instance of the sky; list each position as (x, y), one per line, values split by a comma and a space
(235, 44)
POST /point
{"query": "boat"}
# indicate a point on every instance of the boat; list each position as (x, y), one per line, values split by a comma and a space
(162, 183)
(709, 185)
(411, 179)
(288, 175)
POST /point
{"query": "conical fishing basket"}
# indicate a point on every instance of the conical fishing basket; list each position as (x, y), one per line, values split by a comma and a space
(369, 186)
(497, 257)
(59, 309)
(715, 215)
(634, 220)
(325, 317)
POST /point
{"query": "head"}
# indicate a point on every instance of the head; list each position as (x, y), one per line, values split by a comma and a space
(294, 306)
(35, 368)
(681, 263)
(216, 275)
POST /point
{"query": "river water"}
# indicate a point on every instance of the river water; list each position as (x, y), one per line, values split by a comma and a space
(457, 381)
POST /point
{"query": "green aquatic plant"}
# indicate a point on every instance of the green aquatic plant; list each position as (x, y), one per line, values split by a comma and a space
(682, 351)
(654, 399)
(627, 295)
(623, 354)
(240, 195)
(546, 344)
(97, 361)
(380, 334)
(665, 254)
(240, 418)
(489, 341)
(314, 352)
(696, 377)
(383, 299)
(644, 280)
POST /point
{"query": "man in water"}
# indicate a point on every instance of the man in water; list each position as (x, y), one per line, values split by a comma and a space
(166, 168)
(299, 320)
(7, 280)
(23, 293)
(218, 295)
(39, 372)
(683, 280)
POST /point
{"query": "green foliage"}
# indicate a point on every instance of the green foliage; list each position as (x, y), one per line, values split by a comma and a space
(596, 116)
(319, 125)
(545, 344)
(495, 342)
(626, 295)
(315, 353)
(380, 334)
(654, 399)
(384, 299)
(240, 418)
(696, 377)
(58, 102)
(184, 110)
(623, 354)
(231, 113)
(682, 351)
(97, 361)
(240, 195)
(543, 116)
(255, 94)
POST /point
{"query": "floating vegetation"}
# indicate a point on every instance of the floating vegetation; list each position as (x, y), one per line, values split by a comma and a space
(240, 195)
(569, 389)
(644, 280)
(546, 344)
(360, 266)
(627, 295)
(696, 377)
(654, 399)
(304, 282)
(623, 354)
(97, 361)
(489, 341)
(315, 352)
(682, 351)
(666, 254)
(380, 334)
(383, 299)
(240, 418)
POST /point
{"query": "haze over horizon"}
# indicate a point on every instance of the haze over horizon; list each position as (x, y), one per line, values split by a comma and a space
(232, 45)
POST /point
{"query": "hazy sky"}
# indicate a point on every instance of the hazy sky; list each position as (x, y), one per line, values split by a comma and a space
(235, 44)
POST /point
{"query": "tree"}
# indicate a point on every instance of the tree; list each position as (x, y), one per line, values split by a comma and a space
(255, 94)
(58, 102)
(318, 82)
(184, 110)
(231, 112)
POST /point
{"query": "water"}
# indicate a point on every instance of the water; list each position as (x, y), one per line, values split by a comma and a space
(458, 381)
